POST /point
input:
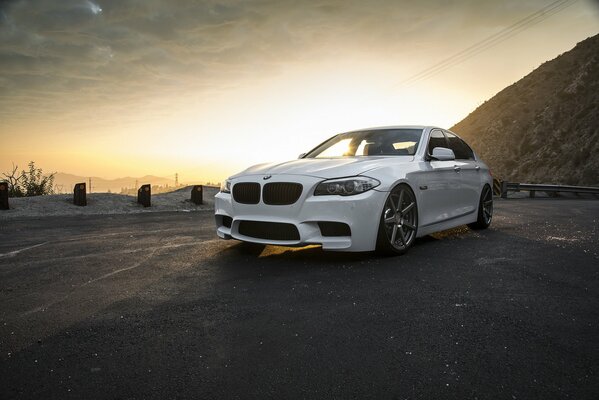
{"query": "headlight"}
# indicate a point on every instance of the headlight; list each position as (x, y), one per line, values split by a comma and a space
(346, 186)
(225, 187)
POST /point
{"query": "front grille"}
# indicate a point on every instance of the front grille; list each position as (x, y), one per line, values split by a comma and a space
(281, 193)
(269, 230)
(334, 229)
(246, 192)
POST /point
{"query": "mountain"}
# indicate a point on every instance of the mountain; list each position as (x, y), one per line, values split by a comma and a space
(545, 127)
(65, 182)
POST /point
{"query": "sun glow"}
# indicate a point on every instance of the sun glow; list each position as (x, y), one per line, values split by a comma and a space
(292, 113)
(258, 121)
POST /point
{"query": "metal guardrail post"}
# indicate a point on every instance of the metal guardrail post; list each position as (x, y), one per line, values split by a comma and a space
(197, 194)
(496, 187)
(144, 195)
(4, 196)
(503, 189)
(79, 194)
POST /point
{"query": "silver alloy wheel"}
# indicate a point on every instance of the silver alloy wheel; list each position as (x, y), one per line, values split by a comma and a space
(400, 218)
(487, 204)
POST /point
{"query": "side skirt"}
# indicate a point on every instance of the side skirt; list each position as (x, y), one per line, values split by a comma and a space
(447, 224)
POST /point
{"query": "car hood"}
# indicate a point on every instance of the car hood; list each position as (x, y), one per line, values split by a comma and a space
(326, 168)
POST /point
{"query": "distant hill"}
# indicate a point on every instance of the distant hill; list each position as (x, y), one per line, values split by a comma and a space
(67, 181)
(545, 127)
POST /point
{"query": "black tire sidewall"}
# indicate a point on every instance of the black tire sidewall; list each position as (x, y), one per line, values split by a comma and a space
(480, 220)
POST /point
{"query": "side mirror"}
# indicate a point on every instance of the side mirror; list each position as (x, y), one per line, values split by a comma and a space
(302, 155)
(442, 154)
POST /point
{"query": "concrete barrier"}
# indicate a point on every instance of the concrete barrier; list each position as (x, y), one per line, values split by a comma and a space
(4, 195)
(144, 195)
(197, 194)
(79, 194)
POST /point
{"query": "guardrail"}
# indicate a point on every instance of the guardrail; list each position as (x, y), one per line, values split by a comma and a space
(551, 190)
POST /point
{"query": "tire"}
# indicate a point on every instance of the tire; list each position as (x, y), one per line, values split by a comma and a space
(398, 224)
(485, 210)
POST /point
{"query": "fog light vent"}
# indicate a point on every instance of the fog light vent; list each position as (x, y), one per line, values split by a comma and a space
(334, 228)
(223, 220)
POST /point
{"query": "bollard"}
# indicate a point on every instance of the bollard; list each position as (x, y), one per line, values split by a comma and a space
(79, 194)
(144, 195)
(4, 196)
(197, 194)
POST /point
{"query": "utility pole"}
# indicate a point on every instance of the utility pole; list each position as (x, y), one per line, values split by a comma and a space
(90, 185)
(176, 179)
(136, 184)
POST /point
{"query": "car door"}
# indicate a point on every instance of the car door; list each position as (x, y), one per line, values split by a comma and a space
(439, 185)
(469, 173)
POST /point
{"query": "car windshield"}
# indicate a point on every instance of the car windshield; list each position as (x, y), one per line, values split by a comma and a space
(378, 142)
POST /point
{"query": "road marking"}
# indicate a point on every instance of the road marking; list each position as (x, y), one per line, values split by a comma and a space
(46, 306)
(14, 253)
(141, 262)
(137, 233)
(153, 251)
(561, 239)
(113, 252)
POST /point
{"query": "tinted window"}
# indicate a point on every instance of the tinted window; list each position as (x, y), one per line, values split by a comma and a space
(461, 150)
(437, 139)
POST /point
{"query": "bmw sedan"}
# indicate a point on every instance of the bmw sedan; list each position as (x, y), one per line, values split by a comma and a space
(371, 189)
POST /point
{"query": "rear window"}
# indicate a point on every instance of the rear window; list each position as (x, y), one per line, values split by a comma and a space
(461, 150)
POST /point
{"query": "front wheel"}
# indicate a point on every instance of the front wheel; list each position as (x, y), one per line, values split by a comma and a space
(485, 210)
(399, 222)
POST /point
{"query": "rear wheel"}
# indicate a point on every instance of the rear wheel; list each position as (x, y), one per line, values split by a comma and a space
(399, 222)
(485, 210)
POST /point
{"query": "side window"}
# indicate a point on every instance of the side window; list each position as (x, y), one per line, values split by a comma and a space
(468, 150)
(437, 139)
(461, 150)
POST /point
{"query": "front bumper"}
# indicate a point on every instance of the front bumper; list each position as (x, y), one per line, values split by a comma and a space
(360, 212)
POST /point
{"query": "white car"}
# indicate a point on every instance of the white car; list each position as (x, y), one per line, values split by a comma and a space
(371, 189)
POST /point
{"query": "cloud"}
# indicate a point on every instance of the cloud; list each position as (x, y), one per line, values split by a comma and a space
(64, 57)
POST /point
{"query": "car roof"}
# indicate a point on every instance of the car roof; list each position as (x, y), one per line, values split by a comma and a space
(376, 128)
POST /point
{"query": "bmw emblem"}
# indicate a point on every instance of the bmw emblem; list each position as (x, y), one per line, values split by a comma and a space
(265, 177)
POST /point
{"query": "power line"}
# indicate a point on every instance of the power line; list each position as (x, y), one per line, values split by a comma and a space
(490, 41)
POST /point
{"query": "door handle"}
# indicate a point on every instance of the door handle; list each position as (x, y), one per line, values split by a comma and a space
(457, 169)
(477, 168)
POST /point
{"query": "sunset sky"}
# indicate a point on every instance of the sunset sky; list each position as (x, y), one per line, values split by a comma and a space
(207, 88)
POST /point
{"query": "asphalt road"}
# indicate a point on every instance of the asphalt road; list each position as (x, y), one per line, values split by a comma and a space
(154, 306)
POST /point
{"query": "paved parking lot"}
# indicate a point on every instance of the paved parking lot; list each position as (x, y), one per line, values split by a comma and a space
(155, 306)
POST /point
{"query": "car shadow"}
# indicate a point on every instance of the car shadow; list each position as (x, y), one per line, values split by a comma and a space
(262, 255)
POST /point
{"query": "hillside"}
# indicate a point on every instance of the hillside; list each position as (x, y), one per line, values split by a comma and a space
(545, 127)
(67, 181)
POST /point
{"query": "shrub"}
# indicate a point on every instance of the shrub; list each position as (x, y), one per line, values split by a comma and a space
(29, 183)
